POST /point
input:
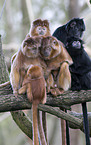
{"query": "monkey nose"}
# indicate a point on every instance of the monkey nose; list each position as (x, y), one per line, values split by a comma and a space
(41, 33)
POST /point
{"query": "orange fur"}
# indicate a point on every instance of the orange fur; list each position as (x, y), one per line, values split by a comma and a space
(55, 55)
(28, 54)
(34, 85)
(39, 28)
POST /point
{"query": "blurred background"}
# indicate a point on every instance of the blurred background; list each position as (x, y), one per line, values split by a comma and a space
(15, 23)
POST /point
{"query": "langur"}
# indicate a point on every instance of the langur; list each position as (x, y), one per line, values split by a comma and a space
(27, 54)
(57, 60)
(34, 85)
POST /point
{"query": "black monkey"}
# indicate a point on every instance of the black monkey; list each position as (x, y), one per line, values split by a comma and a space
(74, 28)
(81, 68)
(80, 74)
(70, 35)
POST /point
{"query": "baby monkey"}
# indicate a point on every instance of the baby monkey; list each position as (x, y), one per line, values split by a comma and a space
(39, 28)
(58, 61)
(34, 85)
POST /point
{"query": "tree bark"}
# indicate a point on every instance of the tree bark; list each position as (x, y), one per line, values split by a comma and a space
(74, 9)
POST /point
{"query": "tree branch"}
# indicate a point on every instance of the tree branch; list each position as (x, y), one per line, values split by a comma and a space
(9, 102)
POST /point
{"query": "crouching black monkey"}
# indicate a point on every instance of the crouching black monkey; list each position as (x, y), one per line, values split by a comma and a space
(74, 28)
(70, 35)
(81, 68)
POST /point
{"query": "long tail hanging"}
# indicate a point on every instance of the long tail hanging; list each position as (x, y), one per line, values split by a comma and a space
(67, 132)
(86, 123)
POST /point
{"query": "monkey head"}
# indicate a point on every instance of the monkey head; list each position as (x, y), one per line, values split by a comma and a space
(30, 46)
(75, 27)
(50, 47)
(34, 72)
(74, 46)
(40, 28)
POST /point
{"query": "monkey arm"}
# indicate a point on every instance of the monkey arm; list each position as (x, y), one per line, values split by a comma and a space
(64, 77)
(14, 79)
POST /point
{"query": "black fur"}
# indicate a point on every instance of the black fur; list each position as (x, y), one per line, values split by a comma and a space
(81, 68)
(74, 28)
(70, 35)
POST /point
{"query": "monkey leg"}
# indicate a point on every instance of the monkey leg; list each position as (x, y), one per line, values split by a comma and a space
(35, 123)
(50, 82)
(64, 77)
(29, 92)
(51, 86)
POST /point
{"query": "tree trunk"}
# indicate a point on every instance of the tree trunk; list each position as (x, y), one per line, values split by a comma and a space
(74, 9)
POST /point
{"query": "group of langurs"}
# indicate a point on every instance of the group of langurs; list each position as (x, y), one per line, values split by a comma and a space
(48, 63)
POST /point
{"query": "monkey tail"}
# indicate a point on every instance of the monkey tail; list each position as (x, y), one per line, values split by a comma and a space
(35, 122)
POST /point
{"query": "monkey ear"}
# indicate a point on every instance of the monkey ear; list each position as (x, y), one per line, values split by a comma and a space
(46, 23)
(37, 22)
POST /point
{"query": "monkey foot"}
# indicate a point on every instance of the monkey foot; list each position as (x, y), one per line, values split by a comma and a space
(56, 91)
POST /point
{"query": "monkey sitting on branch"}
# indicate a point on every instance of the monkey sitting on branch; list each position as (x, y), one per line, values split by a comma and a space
(35, 86)
(58, 61)
(39, 28)
(28, 54)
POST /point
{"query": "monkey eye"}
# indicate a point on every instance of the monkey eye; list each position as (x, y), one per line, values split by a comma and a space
(44, 28)
(54, 42)
(39, 28)
(73, 24)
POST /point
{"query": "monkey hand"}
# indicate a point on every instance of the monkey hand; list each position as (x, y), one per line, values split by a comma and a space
(56, 91)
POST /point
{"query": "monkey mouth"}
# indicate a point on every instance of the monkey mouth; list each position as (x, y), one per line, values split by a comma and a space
(41, 33)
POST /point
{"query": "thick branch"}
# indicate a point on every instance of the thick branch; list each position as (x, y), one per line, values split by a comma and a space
(9, 102)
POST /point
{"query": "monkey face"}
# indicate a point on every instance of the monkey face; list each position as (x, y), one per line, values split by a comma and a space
(75, 27)
(31, 47)
(74, 46)
(40, 28)
(50, 47)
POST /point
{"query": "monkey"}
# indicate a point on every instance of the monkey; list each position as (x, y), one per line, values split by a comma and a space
(81, 68)
(54, 55)
(34, 85)
(58, 61)
(27, 54)
(74, 28)
(80, 73)
(39, 28)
